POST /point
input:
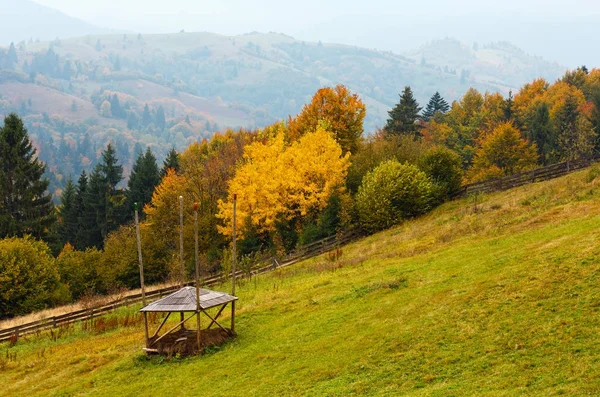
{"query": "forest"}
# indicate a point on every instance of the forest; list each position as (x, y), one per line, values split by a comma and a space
(306, 177)
(163, 91)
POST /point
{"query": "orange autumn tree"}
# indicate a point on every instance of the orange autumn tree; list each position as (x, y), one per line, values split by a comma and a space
(342, 111)
(503, 152)
(278, 181)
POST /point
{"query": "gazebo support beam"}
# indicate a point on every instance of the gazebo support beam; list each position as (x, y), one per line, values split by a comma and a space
(217, 316)
(172, 329)
(161, 324)
(215, 321)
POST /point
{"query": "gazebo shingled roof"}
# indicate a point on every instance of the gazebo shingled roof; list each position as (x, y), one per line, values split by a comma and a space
(184, 300)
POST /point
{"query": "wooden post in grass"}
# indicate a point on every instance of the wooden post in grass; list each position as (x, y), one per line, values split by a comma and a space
(141, 264)
(198, 308)
(233, 263)
(182, 275)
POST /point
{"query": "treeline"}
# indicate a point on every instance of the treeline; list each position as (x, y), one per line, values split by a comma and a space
(296, 181)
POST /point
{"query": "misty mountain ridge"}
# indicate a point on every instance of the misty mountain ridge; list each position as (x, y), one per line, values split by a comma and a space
(24, 20)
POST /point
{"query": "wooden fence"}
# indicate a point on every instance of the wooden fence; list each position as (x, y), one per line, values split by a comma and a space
(523, 178)
(265, 264)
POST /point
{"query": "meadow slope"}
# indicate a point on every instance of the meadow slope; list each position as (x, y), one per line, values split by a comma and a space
(496, 295)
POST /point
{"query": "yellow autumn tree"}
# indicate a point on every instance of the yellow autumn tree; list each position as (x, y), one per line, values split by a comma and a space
(279, 182)
(162, 213)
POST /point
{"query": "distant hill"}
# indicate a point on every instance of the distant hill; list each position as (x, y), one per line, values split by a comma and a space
(25, 19)
(501, 64)
(171, 89)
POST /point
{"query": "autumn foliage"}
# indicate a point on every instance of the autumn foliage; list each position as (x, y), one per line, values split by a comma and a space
(342, 111)
(278, 181)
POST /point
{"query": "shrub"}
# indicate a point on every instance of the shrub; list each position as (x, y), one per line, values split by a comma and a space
(29, 277)
(444, 168)
(390, 193)
(78, 270)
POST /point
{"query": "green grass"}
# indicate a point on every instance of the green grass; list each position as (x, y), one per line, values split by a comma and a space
(496, 295)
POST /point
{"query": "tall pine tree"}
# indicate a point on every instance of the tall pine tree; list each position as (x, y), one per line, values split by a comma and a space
(68, 226)
(144, 178)
(172, 161)
(404, 116)
(436, 104)
(81, 238)
(103, 204)
(541, 133)
(25, 205)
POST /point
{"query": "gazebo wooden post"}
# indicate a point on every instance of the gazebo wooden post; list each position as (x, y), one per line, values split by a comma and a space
(141, 265)
(198, 308)
(233, 263)
(182, 275)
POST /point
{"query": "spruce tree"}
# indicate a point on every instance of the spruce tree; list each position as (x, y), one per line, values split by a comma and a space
(25, 205)
(68, 226)
(146, 117)
(541, 133)
(404, 116)
(172, 161)
(103, 204)
(112, 172)
(144, 178)
(161, 121)
(12, 55)
(507, 107)
(80, 240)
(436, 104)
(93, 219)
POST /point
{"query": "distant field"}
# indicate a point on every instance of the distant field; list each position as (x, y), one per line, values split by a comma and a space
(495, 295)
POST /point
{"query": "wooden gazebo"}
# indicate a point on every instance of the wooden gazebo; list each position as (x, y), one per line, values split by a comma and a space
(194, 300)
(178, 339)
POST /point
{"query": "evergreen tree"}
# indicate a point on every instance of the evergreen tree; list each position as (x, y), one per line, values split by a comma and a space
(146, 117)
(115, 106)
(575, 134)
(68, 226)
(12, 55)
(93, 218)
(161, 121)
(143, 180)
(541, 133)
(172, 161)
(25, 205)
(132, 121)
(80, 240)
(507, 107)
(103, 204)
(404, 116)
(436, 104)
(112, 172)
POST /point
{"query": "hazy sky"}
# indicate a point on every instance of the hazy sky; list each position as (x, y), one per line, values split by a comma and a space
(550, 28)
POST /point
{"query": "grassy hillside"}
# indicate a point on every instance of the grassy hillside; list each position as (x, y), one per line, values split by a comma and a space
(496, 294)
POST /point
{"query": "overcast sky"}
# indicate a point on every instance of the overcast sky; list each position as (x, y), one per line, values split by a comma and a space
(555, 29)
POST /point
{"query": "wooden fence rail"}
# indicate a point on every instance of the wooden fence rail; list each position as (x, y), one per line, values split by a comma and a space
(302, 252)
(523, 178)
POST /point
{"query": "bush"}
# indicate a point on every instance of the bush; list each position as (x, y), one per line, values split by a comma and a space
(378, 149)
(29, 279)
(78, 270)
(444, 167)
(390, 193)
